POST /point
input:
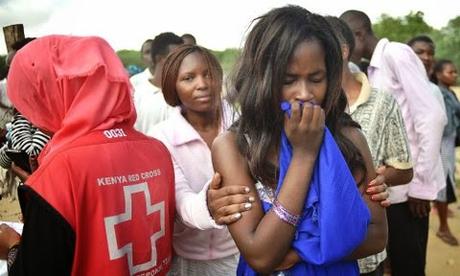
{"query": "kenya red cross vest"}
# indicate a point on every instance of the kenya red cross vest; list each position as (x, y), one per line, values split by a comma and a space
(115, 188)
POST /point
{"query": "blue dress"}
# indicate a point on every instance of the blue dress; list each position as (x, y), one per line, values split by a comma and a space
(335, 217)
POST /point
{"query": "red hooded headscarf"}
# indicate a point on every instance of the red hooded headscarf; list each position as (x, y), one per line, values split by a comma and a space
(70, 86)
(113, 185)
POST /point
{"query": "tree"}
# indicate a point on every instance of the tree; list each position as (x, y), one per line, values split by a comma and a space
(401, 28)
(226, 58)
(448, 41)
(130, 57)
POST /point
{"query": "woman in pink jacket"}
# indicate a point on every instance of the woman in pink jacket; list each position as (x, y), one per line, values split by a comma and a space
(192, 80)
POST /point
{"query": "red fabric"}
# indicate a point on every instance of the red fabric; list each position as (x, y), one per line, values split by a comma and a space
(69, 86)
(112, 184)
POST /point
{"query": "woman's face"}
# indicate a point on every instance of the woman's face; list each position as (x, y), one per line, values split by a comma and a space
(306, 78)
(448, 75)
(194, 84)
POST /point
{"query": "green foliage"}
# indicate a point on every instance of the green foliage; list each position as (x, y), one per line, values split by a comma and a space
(402, 29)
(226, 58)
(448, 42)
(130, 57)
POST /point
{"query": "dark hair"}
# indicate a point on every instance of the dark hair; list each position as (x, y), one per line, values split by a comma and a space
(343, 33)
(421, 38)
(161, 43)
(259, 76)
(145, 42)
(16, 46)
(189, 36)
(171, 71)
(359, 18)
(438, 67)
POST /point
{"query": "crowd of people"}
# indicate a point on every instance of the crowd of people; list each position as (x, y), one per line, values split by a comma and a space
(323, 156)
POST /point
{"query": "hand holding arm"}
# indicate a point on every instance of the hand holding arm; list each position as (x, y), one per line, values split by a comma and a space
(255, 228)
(226, 204)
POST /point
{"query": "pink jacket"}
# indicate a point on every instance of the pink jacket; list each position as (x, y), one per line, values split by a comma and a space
(193, 171)
(395, 68)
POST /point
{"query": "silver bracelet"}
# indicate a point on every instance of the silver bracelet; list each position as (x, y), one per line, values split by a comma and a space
(283, 214)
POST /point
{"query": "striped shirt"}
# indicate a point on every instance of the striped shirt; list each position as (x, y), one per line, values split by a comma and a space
(23, 136)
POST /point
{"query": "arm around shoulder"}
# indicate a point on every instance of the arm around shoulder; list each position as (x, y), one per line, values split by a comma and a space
(262, 238)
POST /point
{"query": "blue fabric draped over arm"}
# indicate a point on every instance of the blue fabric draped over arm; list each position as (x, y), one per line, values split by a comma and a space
(335, 217)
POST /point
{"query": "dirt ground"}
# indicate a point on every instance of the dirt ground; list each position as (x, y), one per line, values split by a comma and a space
(442, 259)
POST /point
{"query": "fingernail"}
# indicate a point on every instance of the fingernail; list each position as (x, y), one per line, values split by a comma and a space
(237, 215)
(370, 190)
(252, 199)
(246, 190)
(373, 197)
(247, 206)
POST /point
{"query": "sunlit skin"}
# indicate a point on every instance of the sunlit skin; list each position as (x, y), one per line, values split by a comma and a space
(306, 79)
(425, 51)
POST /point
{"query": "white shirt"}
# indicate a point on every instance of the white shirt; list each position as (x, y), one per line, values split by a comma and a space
(196, 236)
(151, 107)
(142, 77)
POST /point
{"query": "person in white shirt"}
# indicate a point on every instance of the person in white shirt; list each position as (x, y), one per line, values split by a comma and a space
(395, 68)
(149, 102)
(146, 58)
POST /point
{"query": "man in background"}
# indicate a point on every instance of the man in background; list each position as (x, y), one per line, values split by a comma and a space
(396, 69)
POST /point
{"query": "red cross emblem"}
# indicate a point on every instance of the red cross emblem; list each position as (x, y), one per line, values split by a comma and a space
(127, 232)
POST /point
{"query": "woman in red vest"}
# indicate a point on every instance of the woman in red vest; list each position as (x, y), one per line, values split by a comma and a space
(102, 199)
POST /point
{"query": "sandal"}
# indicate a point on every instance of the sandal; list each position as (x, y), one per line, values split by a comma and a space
(447, 238)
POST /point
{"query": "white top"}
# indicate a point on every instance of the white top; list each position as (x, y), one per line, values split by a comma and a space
(195, 233)
(142, 77)
(151, 107)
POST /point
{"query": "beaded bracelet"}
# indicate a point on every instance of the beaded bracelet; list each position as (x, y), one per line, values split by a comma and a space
(284, 214)
(11, 256)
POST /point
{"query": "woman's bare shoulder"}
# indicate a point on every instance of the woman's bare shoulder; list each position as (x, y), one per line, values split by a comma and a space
(228, 160)
(226, 139)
